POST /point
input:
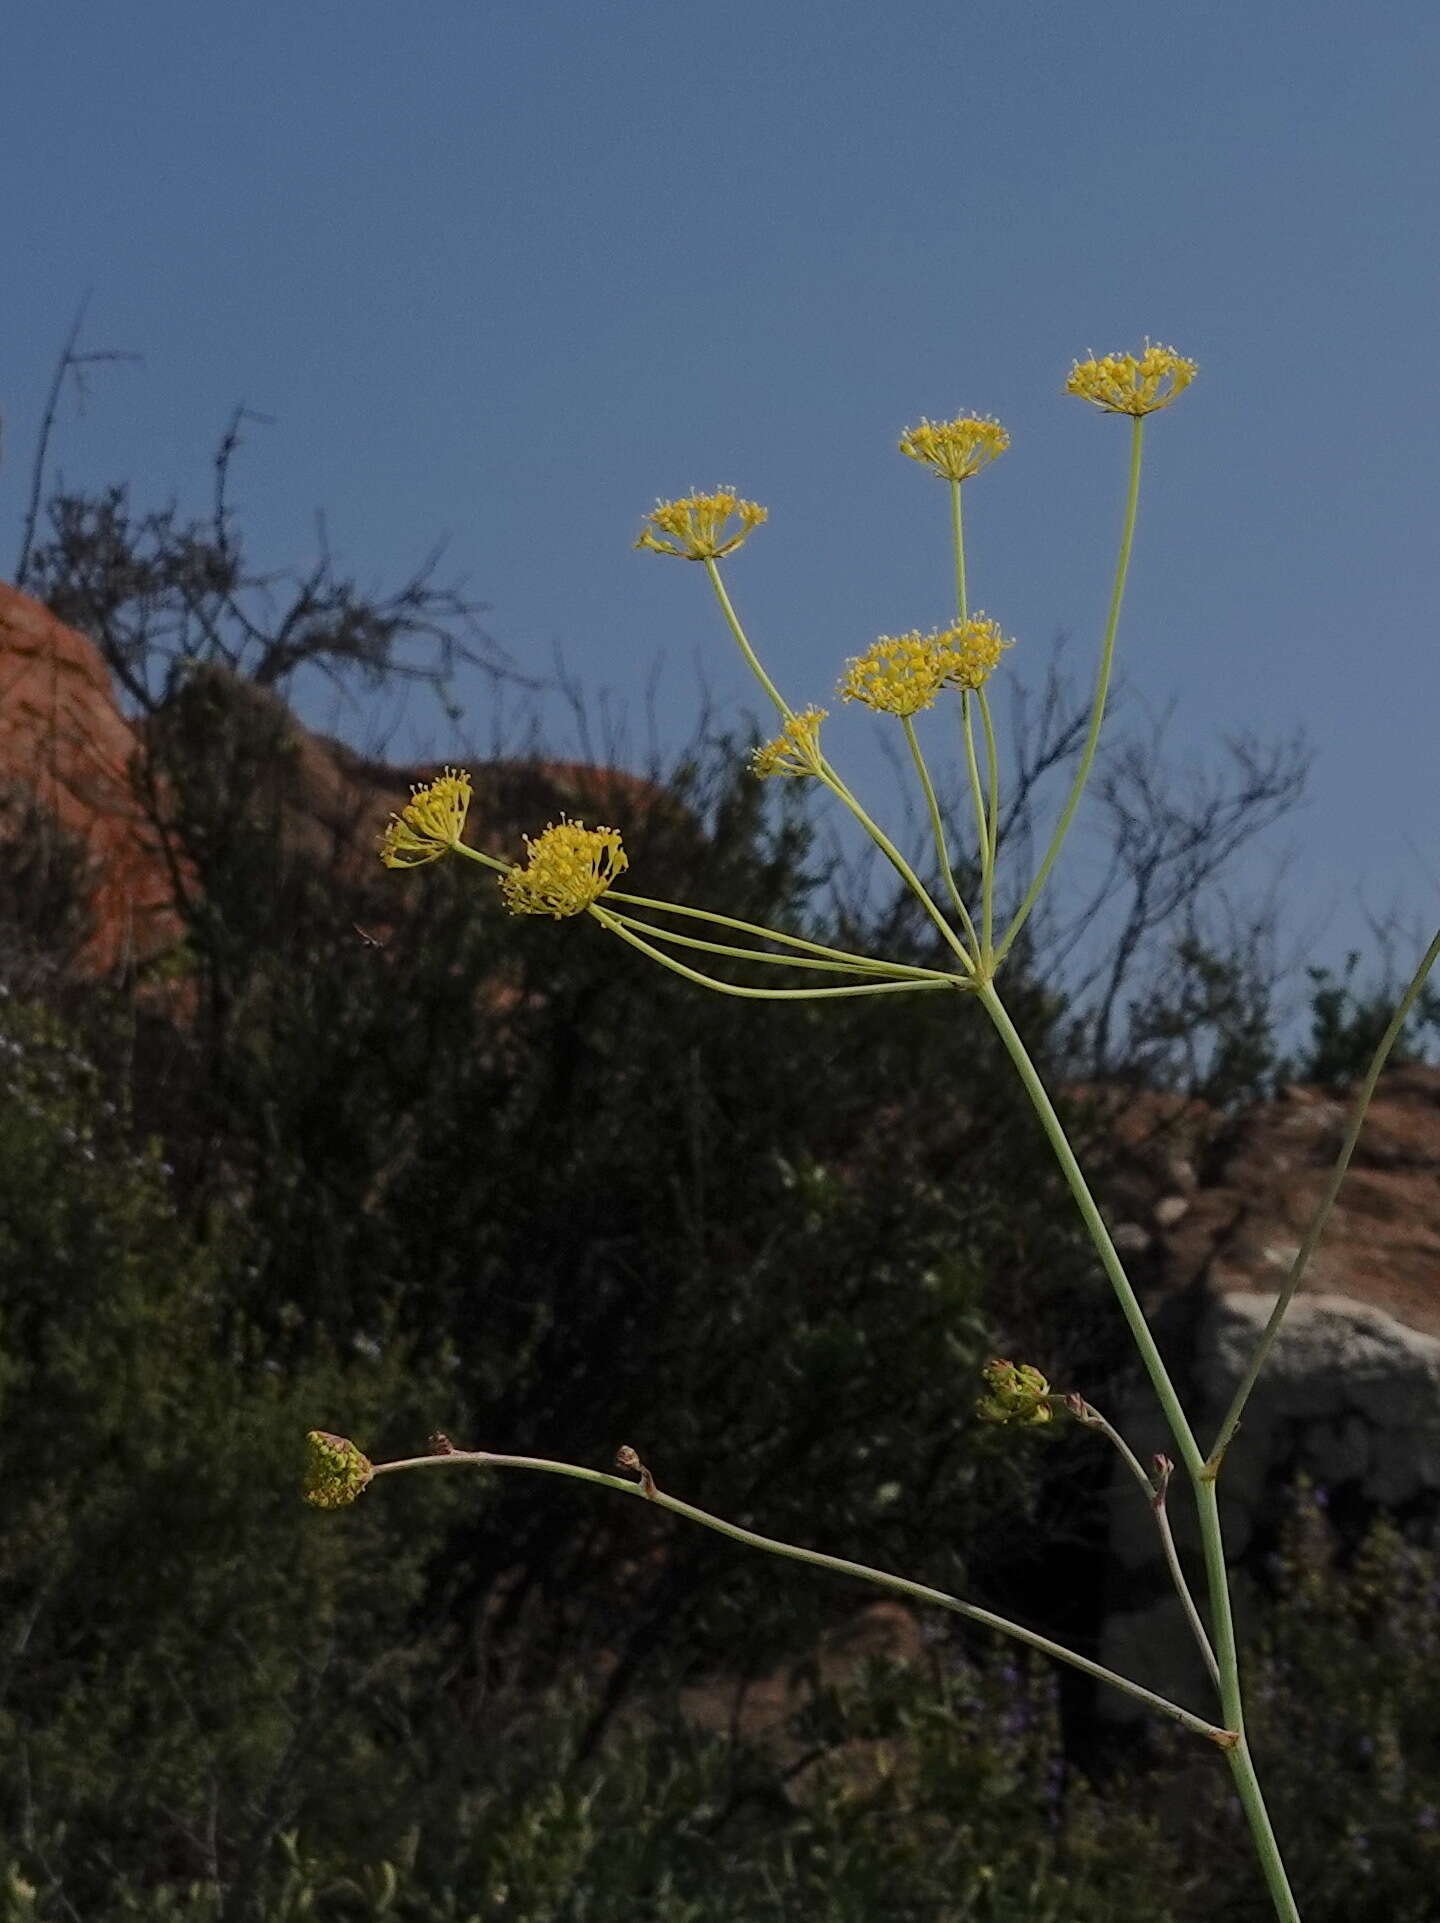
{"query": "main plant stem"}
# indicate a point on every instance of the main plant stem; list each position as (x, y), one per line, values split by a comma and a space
(1202, 1474)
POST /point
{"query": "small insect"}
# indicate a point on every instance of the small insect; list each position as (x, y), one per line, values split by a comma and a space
(370, 941)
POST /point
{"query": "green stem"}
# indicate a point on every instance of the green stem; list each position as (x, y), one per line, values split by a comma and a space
(617, 927)
(840, 1565)
(992, 771)
(1327, 1202)
(743, 642)
(1104, 1247)
(1202, 1477)
(733, 953)
(1242, 1766)
(937, 829)
(1091, 1418)
(492, 862)
(898, 862)
(982, 829)
(1272, 1866)
(957, 533)
(828, 776)
(765, 934)
(1102, 688)
(844, 956)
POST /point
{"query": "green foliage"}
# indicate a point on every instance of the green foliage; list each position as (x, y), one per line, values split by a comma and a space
(1206, 1025)
(927, 1794)
(1347, 1022)
(177, 1643)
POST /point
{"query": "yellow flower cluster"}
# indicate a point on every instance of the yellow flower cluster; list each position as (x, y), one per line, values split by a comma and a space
(903, 673)
(955, 449)
(698, 528)
(565, 870)
(335, 1470)
(430, 824)
(795, 750)
(973, 651)
(1014, 1394)
(1133, 383)
(898, 674)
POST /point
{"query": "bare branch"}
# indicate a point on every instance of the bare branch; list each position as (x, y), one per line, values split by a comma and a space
(72, 364)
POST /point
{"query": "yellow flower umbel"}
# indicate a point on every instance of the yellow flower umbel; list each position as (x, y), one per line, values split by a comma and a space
(795, 750)
(430, 824)
(972, 652)
(335, 1470)
(899, 674)
(1130, 383)
(698, 527)
(955, 449)
(565, 870)
(1014, 1394)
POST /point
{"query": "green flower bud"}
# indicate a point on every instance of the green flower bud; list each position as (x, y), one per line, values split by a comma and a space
(335, 1470)
(1015, 1393)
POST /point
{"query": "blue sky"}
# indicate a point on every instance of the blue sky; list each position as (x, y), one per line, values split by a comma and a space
(510, 272)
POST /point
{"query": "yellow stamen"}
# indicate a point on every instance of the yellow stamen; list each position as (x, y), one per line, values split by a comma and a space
(1133, 383)
(972, 651)
(430, 824)
(698, 526)
(956, 449)
(795, 750)
(566, 868)
(899, 674)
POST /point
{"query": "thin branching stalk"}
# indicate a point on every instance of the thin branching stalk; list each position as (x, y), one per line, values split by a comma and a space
(830, 778)
(742, 641)
(992, 777)
(937, 829)
(626, 934)
(1102, 689)
(735, 953)
(646, 1490)
(957, 539)
(1095, 1225)
(898, 862)
(762, 933)
(982, 829)
(1156, 1489)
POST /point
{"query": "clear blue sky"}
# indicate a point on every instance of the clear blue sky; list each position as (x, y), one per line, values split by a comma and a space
(510, 271)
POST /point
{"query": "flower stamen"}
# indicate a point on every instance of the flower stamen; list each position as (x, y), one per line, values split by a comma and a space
(795, 750)
(1133, 384)
(698, 527)
(566, 868)
(972, 651)
(430, 824)
(956, 449)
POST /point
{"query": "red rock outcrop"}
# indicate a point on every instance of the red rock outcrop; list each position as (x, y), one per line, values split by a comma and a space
(64, 740)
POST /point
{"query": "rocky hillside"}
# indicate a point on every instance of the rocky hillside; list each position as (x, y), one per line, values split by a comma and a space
(66, 744)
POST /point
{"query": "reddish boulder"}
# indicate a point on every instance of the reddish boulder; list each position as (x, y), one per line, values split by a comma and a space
(64, 742)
